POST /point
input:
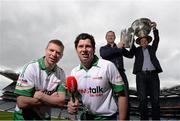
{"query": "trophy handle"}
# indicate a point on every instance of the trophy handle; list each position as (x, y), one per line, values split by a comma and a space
(122, 36)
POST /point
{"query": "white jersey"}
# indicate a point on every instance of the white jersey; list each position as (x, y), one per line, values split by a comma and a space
(96, 86)
(35, 77)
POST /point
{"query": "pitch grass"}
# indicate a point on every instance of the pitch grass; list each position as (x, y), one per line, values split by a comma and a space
(9, 116)
(6, 115)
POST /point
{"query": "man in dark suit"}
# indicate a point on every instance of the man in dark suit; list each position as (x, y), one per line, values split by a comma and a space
(146, 69)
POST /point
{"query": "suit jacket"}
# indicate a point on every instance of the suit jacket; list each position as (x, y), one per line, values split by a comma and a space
(138, 53)
(115, 55)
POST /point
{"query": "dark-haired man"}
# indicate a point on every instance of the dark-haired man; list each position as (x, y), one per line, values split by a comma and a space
(97, 80)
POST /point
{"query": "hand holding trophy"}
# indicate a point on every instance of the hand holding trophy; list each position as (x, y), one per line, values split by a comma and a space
(153, 25)
(139, 28)
(121, 44)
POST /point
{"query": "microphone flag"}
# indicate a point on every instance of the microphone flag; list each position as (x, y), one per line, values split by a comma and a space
(71, 84)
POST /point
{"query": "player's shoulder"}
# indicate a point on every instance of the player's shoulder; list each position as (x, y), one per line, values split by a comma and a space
(76, 68)
(59, 69)
(104, 62)
(32, 64)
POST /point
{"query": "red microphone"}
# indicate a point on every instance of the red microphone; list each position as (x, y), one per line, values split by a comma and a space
(71, 84)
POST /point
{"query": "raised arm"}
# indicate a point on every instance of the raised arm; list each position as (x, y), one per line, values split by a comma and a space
(156, 39)
(156, 36)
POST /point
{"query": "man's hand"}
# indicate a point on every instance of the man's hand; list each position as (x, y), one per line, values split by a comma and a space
(121, 44)
(38, 95)
(55, 94)
(73, 107)
(153, 25)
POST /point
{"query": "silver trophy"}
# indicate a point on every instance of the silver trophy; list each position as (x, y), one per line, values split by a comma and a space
(127, 36)
(141, 27)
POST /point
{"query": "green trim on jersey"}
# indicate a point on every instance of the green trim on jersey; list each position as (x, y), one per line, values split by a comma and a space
(42, 63)
(18, 115)
(29, 92)
(61, 88)
(42, 66)
(94, 63)
(118, 88)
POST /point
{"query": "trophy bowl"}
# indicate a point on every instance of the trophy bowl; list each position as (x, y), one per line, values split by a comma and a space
(141, 26)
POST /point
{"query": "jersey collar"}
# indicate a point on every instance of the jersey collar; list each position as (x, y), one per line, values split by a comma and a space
(43, 67)
(94, 63)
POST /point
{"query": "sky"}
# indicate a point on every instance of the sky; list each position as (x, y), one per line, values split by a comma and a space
(26, 26)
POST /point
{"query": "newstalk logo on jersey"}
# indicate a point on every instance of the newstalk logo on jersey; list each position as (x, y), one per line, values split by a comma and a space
(92, 91)
(22, 81)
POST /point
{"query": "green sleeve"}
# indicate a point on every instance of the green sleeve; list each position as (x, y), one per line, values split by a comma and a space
(118, 88)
